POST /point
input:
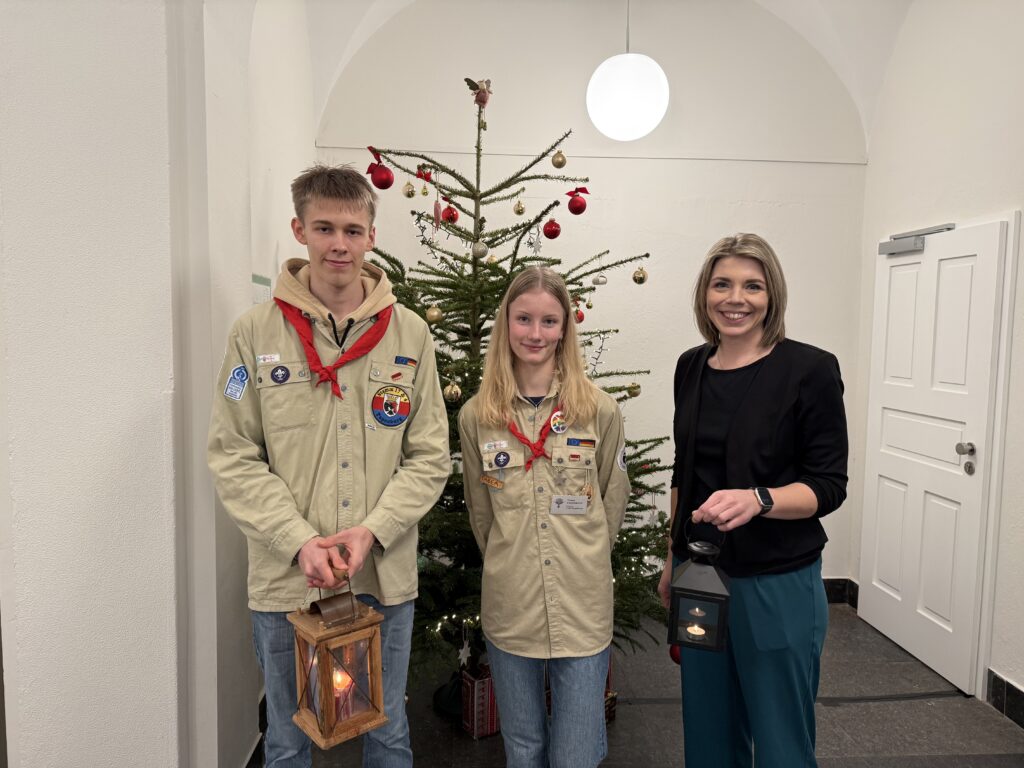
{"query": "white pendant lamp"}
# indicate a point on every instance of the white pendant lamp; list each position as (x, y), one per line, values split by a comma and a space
(627, 95)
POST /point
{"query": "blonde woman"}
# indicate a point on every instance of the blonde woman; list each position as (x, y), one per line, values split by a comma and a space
(545, 482)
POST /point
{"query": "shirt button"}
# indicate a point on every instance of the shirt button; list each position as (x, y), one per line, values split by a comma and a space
(540, 489)
(344, 387)
(587, 461)
(343, 426)
(375, 372)
(543, 525)
(559, 460)
(344, 465)
(344, 503)
(547, 562)
(529, 418)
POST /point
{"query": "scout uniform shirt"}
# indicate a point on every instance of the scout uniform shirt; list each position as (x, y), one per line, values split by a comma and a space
(294, 457)
(547, 583)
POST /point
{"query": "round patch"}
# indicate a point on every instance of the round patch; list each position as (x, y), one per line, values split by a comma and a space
(622, 458)
(238, 373)
(501, 459)
(558, 425)
(280, 374)
(390, 406)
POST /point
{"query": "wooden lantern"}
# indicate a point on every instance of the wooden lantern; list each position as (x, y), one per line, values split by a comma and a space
(338, 670)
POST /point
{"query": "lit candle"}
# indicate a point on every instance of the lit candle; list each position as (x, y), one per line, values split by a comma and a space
(342, 697)
(696, 632)
(696, 611)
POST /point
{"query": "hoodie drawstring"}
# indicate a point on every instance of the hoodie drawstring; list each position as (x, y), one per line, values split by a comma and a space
(334, 329)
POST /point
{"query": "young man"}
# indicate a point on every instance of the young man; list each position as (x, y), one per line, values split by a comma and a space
(329, 429)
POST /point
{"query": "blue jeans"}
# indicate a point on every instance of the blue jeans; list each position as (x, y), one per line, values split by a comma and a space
(285, 745)
(576, 737)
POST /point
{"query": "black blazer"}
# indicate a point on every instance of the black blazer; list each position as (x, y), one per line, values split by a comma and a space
(790, 427)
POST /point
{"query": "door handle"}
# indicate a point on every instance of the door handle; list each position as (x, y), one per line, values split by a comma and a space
(965, 449)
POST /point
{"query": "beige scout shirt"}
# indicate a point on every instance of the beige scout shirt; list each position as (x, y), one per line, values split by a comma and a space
(547, 583)
(292, 461)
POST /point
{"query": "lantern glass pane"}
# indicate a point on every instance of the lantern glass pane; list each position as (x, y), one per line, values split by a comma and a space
(350, 679)
(697, 620)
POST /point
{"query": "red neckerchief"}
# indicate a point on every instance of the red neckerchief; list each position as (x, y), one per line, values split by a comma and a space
(536, 448)
(364, 344)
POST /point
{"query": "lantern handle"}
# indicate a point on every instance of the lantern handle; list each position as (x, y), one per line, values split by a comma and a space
(686, 534)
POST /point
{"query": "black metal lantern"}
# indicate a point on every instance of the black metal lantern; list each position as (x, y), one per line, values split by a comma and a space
(699, 605)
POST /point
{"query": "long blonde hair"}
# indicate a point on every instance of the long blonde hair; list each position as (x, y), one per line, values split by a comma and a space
(498, 391)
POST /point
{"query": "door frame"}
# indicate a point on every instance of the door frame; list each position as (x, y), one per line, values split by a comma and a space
(1000, 406)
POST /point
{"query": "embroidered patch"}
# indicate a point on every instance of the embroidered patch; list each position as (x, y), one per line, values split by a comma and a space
(574, 457)
(396, 375)
(390, 406)
(581, 442)
(501, 459)
(558, 425)
(492, 481)
(496, 445)
(622, 458)
(280, 374)
(268, 358)
(402, 360)
(237, 382)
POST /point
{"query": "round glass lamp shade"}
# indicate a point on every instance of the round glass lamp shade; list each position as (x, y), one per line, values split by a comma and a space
(627, 96)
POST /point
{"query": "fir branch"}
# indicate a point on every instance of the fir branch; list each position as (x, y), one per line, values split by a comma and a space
(391, 154)
(509, 196)
(516, 177)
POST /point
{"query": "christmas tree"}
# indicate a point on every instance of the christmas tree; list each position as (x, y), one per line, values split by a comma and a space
(458, 291)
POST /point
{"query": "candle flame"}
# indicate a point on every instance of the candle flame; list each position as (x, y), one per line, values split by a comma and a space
(696, 632)
(698, 612)
(342, 680)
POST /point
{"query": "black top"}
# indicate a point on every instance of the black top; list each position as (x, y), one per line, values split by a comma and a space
(777, 421)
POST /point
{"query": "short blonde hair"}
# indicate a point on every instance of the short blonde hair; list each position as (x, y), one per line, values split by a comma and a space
(747, 246)
(498, 391)
(336, 183)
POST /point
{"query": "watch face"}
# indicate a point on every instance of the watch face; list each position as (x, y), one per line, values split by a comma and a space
(764, 497)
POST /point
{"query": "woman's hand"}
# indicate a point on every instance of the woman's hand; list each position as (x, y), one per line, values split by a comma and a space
(727, 510)
(665, 583)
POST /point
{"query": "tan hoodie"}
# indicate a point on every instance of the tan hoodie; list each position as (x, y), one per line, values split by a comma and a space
(292, 461)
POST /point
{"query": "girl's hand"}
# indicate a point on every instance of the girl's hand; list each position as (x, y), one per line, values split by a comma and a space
(665, 584)
(727, 510)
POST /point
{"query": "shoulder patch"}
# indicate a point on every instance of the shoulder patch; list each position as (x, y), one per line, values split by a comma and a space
(237, 382)
(390, 406)
(402, 360)
(622, 458)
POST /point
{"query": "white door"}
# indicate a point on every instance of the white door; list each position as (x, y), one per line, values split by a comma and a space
(934, 350)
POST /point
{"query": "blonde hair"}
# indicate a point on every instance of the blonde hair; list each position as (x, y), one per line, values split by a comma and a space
(749, 247)
(337, 183)
(498, 391)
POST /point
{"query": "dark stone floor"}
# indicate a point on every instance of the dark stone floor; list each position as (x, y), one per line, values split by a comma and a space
(877, 707)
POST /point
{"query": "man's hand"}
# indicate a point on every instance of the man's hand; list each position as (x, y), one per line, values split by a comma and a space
(317, 563)
(356, 542)
(727, 510)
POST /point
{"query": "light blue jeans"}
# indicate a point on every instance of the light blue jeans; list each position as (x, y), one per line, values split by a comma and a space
(284, 744)
(576, 736)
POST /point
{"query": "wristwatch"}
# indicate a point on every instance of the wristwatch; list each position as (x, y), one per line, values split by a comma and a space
(764, 499)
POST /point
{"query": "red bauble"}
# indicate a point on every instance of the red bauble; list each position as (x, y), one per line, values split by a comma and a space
(673, 651)
(450, 214)
(579, 315)
(381, 176)
(577, 204)
(552, 229)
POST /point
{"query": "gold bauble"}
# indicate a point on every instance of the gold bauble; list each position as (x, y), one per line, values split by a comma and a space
(492, 259)
(519, 208)
(409, 190)
(452, 393)
(633, 390)
(558, 159)
(479, 249)
(590, 304)
(640, 276)
(434, 315)
(424, 191)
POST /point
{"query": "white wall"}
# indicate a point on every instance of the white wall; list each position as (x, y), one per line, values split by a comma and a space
(87, 508)
(671, 194)
(946, 146)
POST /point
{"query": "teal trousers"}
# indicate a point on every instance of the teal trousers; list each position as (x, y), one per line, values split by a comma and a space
(753, 703)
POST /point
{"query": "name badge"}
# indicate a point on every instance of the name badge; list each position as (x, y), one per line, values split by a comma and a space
(568, 505)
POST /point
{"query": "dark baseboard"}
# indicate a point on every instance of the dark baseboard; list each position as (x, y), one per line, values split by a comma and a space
(256, 758)
(841, 591)
(1006, 697)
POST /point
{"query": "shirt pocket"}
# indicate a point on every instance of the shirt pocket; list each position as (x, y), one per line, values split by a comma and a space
(286, 395)
(390, 393)
(574, 468)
